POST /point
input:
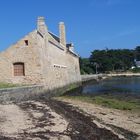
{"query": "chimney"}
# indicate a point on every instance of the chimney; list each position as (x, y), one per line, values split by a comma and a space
(41, 26)
(62, 33)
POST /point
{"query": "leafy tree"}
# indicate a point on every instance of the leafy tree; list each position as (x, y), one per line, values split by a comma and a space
(85, 66)
(109, 60)
(137, 53)
(112, 60)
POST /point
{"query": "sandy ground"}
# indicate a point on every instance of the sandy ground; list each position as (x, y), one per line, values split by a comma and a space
(45, 119)
(109, 117)
(31, 120)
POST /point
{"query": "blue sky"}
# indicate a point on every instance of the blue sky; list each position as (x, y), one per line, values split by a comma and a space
(90, 24)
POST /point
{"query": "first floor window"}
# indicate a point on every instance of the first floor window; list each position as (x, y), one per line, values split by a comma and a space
(19, 69)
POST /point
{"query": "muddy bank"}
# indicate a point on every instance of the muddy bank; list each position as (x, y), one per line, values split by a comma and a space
(125, 123)
(81, 126)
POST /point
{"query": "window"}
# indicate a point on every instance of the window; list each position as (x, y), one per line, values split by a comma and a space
(26, 42)
(19, 69)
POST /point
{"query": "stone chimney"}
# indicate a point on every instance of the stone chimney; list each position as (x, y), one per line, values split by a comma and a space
(41, 26)
(62, 33)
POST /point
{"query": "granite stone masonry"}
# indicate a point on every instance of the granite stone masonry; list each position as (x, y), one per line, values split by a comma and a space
(41, 58)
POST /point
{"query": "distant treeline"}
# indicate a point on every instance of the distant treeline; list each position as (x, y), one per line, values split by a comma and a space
(110, 60)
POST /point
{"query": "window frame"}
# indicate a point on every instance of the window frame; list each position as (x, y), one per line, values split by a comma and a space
(18, 69)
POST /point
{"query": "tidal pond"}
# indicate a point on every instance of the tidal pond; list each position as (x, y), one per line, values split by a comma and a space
(115, 85)
(115, 92)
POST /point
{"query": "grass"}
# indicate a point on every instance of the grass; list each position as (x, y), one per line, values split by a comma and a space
(7, 85)
(108, 102)
(135, 70)
(72, 86)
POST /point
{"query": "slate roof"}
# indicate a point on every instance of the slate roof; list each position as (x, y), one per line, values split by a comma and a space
(58, 39)
(55, 37)
(68, 45)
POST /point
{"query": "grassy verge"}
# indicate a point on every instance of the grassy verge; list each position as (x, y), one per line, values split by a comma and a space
(135, 70)
(108, 102)
(7, 85)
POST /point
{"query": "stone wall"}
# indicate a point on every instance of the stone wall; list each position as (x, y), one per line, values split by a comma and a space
(47, 61)
(29, 55)
(73, 68)
(61, 67)
(56, 75)
(17, 94)
(20, 93)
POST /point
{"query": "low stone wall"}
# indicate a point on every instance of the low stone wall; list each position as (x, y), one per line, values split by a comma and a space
(104, 76)
(93, 77)
(18, 94)
(124, 74)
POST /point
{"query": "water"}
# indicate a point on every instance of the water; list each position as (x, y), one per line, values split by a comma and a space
(114, 85)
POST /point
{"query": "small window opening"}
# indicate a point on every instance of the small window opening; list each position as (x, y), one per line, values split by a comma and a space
(26, 42)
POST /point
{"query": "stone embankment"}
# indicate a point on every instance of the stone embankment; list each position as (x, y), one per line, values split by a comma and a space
(124, 74)
(98, 77)
(23, 93)
(20, 93)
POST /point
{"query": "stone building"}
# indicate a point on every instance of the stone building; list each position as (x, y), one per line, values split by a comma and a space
(39, 58)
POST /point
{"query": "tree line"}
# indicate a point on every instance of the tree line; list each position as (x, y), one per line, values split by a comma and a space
(110, 60)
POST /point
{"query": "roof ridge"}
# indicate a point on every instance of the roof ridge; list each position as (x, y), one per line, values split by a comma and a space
(54, 34)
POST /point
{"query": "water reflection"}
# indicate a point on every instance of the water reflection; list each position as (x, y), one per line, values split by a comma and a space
(116, 85)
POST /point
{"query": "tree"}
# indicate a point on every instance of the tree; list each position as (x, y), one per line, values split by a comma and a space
(112, 60)
(137, 53)
(85, 66)
(109, 60)
(96, 67)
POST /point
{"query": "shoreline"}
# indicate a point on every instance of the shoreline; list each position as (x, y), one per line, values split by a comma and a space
(109, 101)
(59, 118)
(98, 77)
(50, 119)
(122, 122)
(124, 74)
(125, 119)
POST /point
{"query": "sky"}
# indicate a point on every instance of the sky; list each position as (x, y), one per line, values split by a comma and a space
(90, 24)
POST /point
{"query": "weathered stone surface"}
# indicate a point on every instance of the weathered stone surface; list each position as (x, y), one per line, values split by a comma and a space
(46, 60)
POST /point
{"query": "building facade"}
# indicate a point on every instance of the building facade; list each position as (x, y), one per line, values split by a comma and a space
(41, 57)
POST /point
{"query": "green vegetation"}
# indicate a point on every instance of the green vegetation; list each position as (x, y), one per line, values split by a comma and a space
(7, 85)
(136, 70)
(85, 66)
(137, 53)
(110, 102)
(110, 60)
(71, 87)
